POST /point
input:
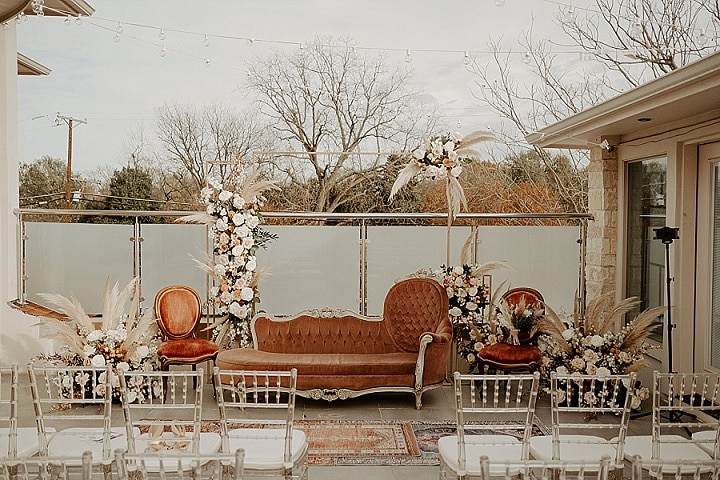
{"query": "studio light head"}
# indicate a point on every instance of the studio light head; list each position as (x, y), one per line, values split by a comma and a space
(667, 234)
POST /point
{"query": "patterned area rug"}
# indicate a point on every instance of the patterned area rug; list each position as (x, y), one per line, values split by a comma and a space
(369, 442)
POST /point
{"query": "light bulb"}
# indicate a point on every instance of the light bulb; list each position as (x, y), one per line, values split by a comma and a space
(161, 35)
(702, 37)
(117, 37)
(249, 42)
(78, 20)
(466, 58)
(499, 3)
(119, 28)
(527, 56)
(354, 52)
(67, 20)
(207, 62)
(637, 27)
(570, 15)
(408, 57)
(162, 51)
(206, 42)
(6, 26)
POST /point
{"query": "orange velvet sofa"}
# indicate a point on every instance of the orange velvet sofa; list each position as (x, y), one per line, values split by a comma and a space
(339, 354)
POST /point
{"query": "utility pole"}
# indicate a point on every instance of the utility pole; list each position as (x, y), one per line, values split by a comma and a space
(70, 121)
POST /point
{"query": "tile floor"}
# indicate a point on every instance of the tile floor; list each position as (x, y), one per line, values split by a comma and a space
(437, 405)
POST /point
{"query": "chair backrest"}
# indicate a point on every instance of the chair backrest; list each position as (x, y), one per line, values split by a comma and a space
(685, 401)
(545, 469)
(178, 311)
(502, 402)
(9, 378)
(58, 392)
(162, 410)
(241, 392)
(144, 465)
(675, 469)
(56, 468)
(412, 307)
(525, 295)
(591, 403)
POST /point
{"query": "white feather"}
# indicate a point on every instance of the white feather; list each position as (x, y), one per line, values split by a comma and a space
(405, 175)
(201, 218)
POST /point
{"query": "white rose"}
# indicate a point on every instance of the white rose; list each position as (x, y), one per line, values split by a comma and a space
(568, 334)
(247, 294)
(562, 370)
(473, 291)
(238, 250)
(224, 196)
(238, 202)
(252, 221)
(597, 341)
(419, 154)
(238, 220)
(224, 238)
(123, 367)
(223, 259)
(455, 312)
(602, 372)
(97, 361)
(248, 242)
(242, 231)
(472, 306)
(220, 225)
(449, 146)
(95, 335)
(251, 265)
(433, 172)
(142, 351)
(219, 269)
(238, 310)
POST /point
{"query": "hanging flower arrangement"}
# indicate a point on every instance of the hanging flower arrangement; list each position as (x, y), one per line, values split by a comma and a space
(441, 158)
(234, 217)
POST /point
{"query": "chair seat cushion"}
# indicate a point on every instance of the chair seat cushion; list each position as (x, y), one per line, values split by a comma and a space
(264, 447)
(498, 448)
(27, 440)
(573, 448)
(706, 439)
(187, 348)
(69, 441)
(672, 447)
(507, 354)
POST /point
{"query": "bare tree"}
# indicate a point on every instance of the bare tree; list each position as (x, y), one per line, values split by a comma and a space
(332, 98)
(196, 140)
(634, 36)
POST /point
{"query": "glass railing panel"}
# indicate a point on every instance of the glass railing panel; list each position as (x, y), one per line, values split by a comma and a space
(394, 252)
(167, 258)
(77, 259)
(310, 267)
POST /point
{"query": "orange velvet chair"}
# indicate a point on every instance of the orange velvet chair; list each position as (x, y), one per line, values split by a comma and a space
(507, 357)
(178, 312)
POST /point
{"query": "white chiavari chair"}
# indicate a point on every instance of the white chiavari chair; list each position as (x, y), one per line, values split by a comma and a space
(545, 469)
(584, 404)
(500, 402)
(20, 441)
(211, 466)
(241, 395)
(163, 414)
(48, 468)
(675, 469)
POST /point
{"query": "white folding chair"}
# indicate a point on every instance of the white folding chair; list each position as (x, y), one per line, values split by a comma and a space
(212, 466)
(675, 469)
(545, 469)
(681, 402)
(587, 403)
(20, 441)
(501, 402)
(281, 450)
(163, 413)
(67, 396)
(45, 468)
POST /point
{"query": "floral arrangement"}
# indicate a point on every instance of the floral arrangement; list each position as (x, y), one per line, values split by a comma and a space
(520, 322)
(441, 157)
(233, 214)
(127, 342)
(592, 346)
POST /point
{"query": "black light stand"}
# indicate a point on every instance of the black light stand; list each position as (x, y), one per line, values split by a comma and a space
(667, 235)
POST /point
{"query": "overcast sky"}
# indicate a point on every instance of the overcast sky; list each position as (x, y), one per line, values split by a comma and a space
(117, 80)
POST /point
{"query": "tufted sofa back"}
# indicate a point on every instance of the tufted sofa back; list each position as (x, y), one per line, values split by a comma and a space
(306, 333)
(415, 306)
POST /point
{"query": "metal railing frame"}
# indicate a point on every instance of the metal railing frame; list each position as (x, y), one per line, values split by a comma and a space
(363, 219)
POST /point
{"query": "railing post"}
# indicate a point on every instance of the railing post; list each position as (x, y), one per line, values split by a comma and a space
(22, 264)
(137, 254)
(363, 267)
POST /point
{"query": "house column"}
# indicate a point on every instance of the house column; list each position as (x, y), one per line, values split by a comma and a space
(601, 258)
(18, 337)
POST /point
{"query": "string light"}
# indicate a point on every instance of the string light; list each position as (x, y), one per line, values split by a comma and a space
(702, 37)
(499, 3)
(206, 42)
(6, 26)
(570, 15)
(119, 28)
(250, 41)
(78, 20)
(162, 51)
(67, 20)
(408, 57)
(527, 56)
(207, 62)
(162, 35)
(466, 58)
